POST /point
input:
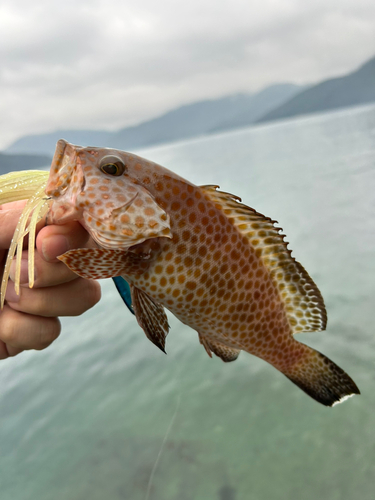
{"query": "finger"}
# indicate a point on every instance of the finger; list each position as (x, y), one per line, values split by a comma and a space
(7, 350)
(45, 273)
(54, 240)
(3, 350)
(13, 205)
(20, 331)
(8, 223)
(9, 217)
(67, 299)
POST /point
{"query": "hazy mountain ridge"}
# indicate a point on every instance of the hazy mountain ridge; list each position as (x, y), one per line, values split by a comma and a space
(353, 89)
(202, 117)
(262, 102)
(190, 120)
(11, 162)
(209, 116)
(46, 143)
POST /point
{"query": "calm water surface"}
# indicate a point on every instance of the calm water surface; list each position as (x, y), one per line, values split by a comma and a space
(87, 417)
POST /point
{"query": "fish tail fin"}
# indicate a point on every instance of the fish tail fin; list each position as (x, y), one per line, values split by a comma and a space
(320, 378)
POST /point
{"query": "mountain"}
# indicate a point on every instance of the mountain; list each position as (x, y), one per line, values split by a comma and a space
(351, 90)
(190, 120)
(11, 162)
(46, 143)
(210, 116)
(261, 103)
(204, 117)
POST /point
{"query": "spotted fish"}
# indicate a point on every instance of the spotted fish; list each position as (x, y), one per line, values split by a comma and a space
(219, 266)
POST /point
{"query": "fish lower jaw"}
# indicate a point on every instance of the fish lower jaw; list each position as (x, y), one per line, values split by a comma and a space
(63, 214)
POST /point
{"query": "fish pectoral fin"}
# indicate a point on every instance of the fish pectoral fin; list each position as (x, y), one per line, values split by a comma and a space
(94, 263)
(227, 354)
(151, 317)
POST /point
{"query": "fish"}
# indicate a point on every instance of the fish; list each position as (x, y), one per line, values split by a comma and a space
(219, 266)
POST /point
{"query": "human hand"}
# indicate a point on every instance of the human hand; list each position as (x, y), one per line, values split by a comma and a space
(30, 320)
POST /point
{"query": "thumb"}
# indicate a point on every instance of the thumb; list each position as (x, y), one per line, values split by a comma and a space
(54, 240)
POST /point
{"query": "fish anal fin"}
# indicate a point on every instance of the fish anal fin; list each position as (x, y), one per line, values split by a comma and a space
(303, 301)
(227, 354)
(151, 317)
(94, 263)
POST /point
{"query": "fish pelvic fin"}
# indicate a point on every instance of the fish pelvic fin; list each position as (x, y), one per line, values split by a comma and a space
(151, 317)
(227, 354)
(321, 378)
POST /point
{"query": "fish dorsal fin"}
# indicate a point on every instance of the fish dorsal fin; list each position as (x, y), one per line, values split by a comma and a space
(222, 351)
(151, 317)
(303, 301)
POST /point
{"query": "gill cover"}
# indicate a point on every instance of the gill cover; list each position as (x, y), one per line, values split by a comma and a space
(116, 210)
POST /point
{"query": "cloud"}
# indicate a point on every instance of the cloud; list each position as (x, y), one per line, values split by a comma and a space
(106, 64)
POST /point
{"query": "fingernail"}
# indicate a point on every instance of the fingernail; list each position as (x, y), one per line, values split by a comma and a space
(24, 275)
(10, 295)
(54, 246)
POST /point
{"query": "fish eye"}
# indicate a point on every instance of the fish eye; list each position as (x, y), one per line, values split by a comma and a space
(112, 165)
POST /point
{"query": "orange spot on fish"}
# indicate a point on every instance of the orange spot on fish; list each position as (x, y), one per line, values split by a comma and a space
(149, 211)
(139, 221)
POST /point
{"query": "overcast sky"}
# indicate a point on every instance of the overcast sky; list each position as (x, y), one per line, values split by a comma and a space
(106, 64)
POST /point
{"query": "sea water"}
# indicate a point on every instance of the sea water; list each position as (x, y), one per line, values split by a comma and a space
(102, 411)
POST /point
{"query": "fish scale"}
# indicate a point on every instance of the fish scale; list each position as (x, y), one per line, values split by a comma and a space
(219, 266)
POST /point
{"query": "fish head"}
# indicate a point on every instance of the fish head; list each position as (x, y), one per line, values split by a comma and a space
(99, 188)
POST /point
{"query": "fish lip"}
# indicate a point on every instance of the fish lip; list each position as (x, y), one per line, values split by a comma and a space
(58, 155)
(64, 164)
(61, 167)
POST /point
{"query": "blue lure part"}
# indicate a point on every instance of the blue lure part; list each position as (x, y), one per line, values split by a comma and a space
(123, 289)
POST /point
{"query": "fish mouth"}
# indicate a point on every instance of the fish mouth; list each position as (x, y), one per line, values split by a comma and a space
(65, 167)
(58, 156)
(64, 162)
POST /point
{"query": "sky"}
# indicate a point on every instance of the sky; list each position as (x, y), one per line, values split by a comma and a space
(107, 64)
